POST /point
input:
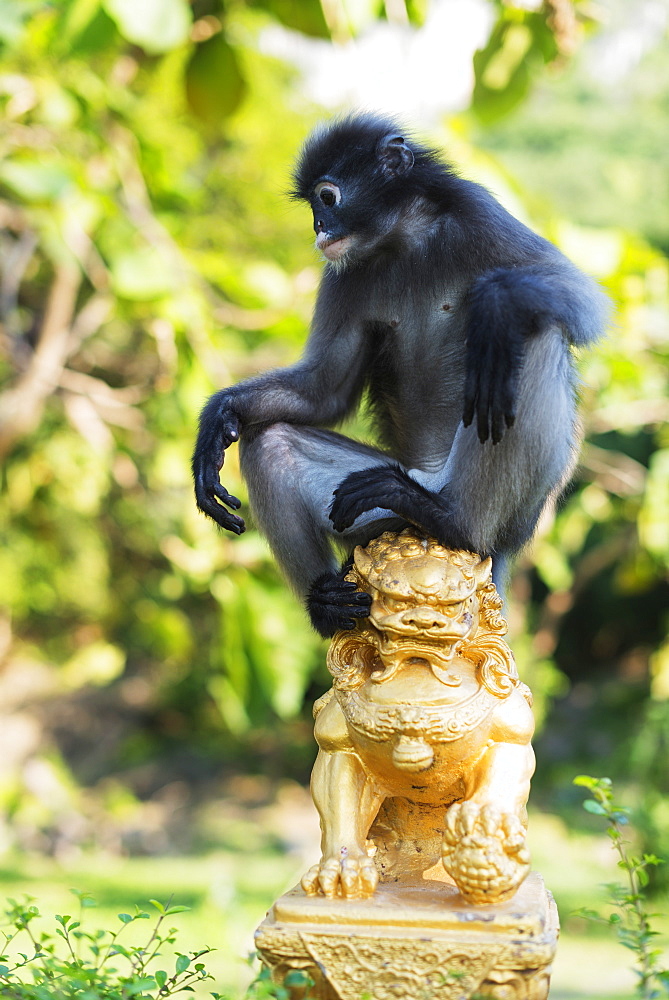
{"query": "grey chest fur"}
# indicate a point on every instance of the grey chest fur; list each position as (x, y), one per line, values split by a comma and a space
(417, 378)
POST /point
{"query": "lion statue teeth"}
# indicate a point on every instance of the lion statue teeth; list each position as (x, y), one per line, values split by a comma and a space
(424, 738)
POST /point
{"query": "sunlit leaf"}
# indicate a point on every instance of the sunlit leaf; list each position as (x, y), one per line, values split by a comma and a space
(520, 42)
(417, 11)
(182, 963)
(35, 181)
(155, 25)
(139, 985)
(141, 274)
(98, 663)
(594, 807)
(13, 15)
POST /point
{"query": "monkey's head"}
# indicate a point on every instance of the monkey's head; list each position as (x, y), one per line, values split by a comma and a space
(358, 174)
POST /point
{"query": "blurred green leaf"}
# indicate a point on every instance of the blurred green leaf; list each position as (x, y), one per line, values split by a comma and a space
(90, 33)
(99, 663)
(417, 11)
(519, 43)
(594, 807)
(35, 181)
(215, 85)
(653, 517)
(13, 15)
(300, 15)
(156, 25)
(142, 274)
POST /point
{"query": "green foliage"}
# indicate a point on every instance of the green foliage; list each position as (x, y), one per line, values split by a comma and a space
(523, 41)
(630, 918)
(295, 983)
(73, 962)
(592, 145)
(214, 59)
(149, 257)
(135, 275)
(156, 25)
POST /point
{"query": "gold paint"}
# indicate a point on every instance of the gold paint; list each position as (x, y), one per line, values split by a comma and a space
(421, 783)
(424, 741)
(412, 939)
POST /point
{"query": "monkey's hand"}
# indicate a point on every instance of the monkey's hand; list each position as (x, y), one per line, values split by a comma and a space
(219, 427)
(385, 486)
(334, 603)
(494, 360)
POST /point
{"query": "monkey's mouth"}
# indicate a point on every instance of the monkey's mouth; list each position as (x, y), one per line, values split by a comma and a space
(333, 249)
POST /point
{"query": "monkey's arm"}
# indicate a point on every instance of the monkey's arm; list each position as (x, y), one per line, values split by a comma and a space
(319, 389)
(507, 306)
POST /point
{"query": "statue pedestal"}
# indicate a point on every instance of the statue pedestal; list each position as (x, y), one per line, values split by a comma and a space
(414, 939)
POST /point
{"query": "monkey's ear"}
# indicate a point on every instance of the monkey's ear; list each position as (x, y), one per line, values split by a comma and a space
(395, 156)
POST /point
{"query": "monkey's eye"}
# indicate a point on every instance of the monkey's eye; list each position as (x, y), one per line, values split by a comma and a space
(329, 194)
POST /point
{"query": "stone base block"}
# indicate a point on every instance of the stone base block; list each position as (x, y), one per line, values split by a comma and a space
(414, 940)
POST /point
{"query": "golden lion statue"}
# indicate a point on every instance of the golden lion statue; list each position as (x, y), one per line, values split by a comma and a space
(424, 738)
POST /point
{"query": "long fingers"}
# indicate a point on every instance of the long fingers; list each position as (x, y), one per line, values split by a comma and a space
(491, 386)
(212, 499)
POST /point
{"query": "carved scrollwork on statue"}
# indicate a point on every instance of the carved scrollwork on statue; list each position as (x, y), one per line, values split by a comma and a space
(404, 968)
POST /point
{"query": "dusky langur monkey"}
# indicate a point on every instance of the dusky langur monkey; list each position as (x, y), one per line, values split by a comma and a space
(456, 322)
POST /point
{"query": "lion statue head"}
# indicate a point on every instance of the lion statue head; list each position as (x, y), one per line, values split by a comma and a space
(429, 603)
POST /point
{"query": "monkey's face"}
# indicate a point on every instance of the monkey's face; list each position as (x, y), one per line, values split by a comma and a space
(329, 226)
(350, 220)
(355, 176)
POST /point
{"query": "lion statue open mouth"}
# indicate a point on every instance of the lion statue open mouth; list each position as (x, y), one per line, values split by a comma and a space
(424, 738)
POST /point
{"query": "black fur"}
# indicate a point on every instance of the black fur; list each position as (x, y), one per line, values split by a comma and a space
(456, 320)
(333, 603)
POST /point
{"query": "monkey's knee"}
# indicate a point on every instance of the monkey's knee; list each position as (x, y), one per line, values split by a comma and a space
(268, 446)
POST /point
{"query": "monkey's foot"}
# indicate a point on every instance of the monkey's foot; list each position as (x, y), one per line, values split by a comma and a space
(350, 877)
(484, 851)
(334, 603)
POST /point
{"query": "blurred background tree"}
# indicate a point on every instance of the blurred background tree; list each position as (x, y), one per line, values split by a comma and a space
(150, 256)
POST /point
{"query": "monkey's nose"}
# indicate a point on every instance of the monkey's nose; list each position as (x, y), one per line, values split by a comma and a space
(320, 226)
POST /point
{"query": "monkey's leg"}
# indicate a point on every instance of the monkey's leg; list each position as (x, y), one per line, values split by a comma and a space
(495, 493)
(291, 473)
(488, 497)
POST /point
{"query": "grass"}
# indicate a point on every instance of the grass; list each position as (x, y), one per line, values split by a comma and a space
(230, 888)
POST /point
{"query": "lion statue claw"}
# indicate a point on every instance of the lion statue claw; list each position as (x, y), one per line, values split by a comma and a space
(486, 848)
(353, 878)
(424, 738)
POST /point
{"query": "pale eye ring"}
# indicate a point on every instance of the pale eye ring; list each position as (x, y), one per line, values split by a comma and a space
(328, 193)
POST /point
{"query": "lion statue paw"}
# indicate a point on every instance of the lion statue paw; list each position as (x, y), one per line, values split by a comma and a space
(484, 852)
(351, 877)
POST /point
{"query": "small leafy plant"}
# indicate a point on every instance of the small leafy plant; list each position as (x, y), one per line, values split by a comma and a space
(72, 963)
(263, 988)
(630, 917)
